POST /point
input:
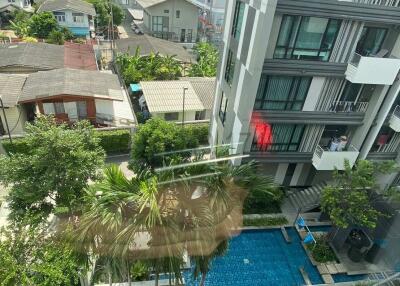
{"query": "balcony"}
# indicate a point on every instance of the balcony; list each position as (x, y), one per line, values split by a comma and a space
(349, 106)
(390, 3)
(372, 70)
(394, 121)
(325, 160)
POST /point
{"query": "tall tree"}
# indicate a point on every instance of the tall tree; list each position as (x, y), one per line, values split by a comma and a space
(349, 201)
(207, 61)
(53, 170)
(42, 24)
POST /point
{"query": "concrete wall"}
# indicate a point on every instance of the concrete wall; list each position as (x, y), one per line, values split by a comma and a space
(16, 117)
(189, 116)
(188, 19)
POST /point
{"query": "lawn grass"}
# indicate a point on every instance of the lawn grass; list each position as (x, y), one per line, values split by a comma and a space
(265, 221)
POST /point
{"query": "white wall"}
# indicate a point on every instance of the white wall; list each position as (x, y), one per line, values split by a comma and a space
(313, 94)
(16, 121)
(19, 3)
(189, 116)
(69, 20)
(188, 19)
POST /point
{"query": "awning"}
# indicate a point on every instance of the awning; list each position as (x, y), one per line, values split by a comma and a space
(79, 31)
(135, 87)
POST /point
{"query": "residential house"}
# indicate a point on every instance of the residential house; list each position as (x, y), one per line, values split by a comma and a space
(148, 44)
(304, 85)
(10, 91)
(17, 58)
(174, 20)
(71, 95)
(12, 5)
(76, 15)
(178, 100)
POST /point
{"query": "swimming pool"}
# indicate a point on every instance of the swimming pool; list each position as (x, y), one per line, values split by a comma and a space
(261, 258)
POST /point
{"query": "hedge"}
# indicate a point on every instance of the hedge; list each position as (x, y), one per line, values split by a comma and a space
(265, 221)
(200, 131)
(112, 141)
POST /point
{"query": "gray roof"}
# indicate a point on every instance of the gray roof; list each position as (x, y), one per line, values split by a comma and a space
(11, 88)
(36, 55)
(167, 96)
(148, 44)
(75, 5)
(148, 3)
(204, 88)
(73, 82)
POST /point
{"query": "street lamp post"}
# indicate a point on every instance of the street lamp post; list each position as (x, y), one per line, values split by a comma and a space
(183, 106)
(5, 118)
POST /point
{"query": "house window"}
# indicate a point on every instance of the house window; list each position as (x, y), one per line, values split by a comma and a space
(183, 34)
(160, 24)
(371, 41)
(82, 109)
(277, 138)
(222, 108)
(77, 17)
(189, 35)
(166, 11)
(306, 38)
(178, 14)
(238, 19)
(171, 116)
(200, 115)
(59, 107)
(282, 92)
(60, 16)
(48, 108)
(230, 68)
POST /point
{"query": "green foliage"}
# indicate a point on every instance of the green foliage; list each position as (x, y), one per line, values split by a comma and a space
(29, 257)
(266, 221)
(56, 37)
(29, 39)
(207, 61)
(350, 201)
(199, 131)
(103, 13)
(140, 271)
(79, 41)
(146, 68)
(42, 24)
(57, 164)
(157, 137)
(114, 141)
(19, 146)
(67, 33)
(321, 250)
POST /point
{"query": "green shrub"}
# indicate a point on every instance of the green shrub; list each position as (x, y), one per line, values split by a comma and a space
(18, 146)
(61, 211)
(140, 271)
(265, 221)
(115, 141)
(199, 131)
(321, 250)
(258, 202)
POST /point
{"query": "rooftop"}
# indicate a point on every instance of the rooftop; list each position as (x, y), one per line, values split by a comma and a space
(75, 5)
(148, 44)
(42, 56)
(72, 82)
(204, 88)
(148, 3)
(11, 88)
(167, 96)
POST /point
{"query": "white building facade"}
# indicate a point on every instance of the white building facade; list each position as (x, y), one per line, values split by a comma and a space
(306, 84)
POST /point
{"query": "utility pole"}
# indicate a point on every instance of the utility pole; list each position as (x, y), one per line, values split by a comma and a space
(183, 106)
(112, 24)
(5, 118)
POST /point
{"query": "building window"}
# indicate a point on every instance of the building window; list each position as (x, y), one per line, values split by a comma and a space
(222, 108)
(238, 19)
(77, 17)
(282, 92)
(277, 138)
(166, 11)
(171, 116)
(306, 38)
(230, 68)
(59, 107)
(160, 24)
(371, 41)
(11, 1)
(178, 14)
(189, 36)
(183, 35)
(60, 16)
(200, 115)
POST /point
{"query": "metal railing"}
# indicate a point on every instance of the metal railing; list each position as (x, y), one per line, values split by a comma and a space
(108, 119)
(355, 60)
(349, 106)
(396, 112)
(319, 150)
(392, 3)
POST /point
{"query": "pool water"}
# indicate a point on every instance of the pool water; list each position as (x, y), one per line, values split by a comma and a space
(261, 258)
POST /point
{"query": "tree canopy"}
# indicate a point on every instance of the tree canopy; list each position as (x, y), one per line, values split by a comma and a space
(350, 200)
(152, 67)
(103, 13)
(207, 61)
(42, 24)
(54, 170)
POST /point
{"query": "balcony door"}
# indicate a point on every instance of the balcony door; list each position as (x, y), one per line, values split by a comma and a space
(371, 40)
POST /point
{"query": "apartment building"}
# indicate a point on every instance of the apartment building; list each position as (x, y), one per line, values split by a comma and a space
(305, 84)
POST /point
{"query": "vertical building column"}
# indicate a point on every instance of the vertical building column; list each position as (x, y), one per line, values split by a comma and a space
(380, 119)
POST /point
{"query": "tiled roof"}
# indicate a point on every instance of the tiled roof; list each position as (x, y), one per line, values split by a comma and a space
(11, 88)
(71, 82)
(38, 55)
(148, 3)
(204, 88)
(75, 5)
(148, 44)
(42, 56)
(167, 96)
